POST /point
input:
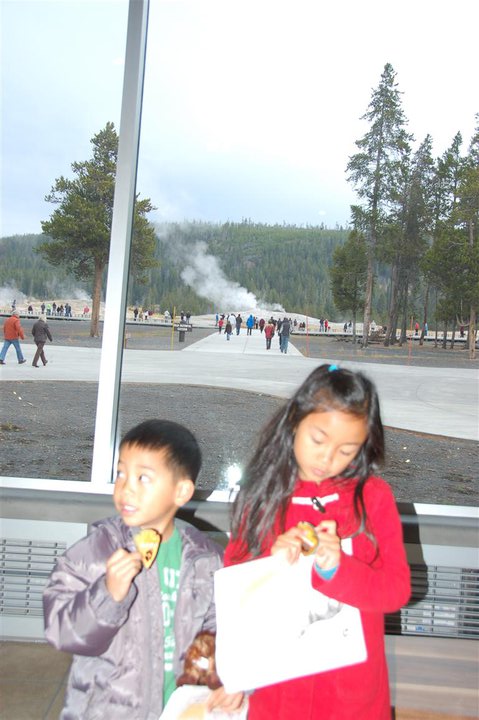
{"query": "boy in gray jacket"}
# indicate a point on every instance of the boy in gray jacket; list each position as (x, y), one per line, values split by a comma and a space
(129, 627)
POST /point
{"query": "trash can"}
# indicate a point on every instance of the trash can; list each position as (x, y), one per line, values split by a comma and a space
(181, 332)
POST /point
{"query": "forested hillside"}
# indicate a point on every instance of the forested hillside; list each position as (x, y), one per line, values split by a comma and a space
(25, 270)
(278, 264)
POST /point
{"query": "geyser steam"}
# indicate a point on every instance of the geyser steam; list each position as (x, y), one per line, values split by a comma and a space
(204, 275)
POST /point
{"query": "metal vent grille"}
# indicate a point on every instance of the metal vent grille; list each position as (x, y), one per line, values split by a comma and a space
(28, 551)
(25, 567)
(444, 602)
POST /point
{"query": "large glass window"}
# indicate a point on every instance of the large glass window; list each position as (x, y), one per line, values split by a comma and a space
(250, 114)
(62, 76)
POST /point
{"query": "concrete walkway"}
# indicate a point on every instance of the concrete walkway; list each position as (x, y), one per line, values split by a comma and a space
(439, 401)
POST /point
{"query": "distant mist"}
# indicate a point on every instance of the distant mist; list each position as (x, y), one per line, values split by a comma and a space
(9, 293)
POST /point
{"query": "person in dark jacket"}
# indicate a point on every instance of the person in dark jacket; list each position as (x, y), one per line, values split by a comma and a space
(130, 627)
(41, 332)
(285, 330)
(238, 323)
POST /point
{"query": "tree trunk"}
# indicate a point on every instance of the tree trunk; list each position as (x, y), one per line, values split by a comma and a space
(392, 315)
(424, 319)
(403, 336)
(453, 335)
(394, 326)
(368, 298)
(472, 333)
(96, 299)
(444, 339)
(471, 336)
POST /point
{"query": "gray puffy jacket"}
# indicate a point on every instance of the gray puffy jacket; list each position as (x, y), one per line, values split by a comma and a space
(117, 669)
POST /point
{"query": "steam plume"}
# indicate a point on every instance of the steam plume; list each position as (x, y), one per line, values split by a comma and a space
(204, 275)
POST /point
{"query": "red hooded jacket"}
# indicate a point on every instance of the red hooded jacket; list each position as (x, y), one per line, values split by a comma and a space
(375, 579)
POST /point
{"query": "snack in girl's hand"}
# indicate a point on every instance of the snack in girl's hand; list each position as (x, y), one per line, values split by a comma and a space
(309, 539)
(147, 542)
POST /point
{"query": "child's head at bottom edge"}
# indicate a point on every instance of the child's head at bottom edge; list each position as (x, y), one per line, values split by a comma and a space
(158, 464)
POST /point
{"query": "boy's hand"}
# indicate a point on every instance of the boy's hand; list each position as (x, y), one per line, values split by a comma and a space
(328, 553)
(288, 544)
(228, 702)
(121, 568)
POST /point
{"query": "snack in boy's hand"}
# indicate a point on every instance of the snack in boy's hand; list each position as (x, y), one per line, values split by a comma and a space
(309, 539)
(147, 542)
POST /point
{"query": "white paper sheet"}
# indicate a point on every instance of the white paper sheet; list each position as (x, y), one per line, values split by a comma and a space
(273, 626)
(193, 698)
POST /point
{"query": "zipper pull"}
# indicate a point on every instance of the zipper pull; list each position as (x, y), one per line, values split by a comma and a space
(318, 505)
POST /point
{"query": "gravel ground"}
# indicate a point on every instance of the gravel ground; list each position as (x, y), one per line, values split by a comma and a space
(46, 429)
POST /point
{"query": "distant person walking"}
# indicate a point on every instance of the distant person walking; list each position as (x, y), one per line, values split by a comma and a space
(262, 323)
(41, 333)
(269, 333)
(250, 325)
(278, 330)
(238, 322)
(13, 333)
(228, 329)
(285, 330)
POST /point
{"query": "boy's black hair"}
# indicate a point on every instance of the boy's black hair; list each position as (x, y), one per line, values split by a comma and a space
(271, 474)
(182, 452)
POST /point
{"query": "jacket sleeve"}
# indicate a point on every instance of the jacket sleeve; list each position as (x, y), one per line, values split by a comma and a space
(382, 584)
(80, 615)
(47, 330)
(209, 621)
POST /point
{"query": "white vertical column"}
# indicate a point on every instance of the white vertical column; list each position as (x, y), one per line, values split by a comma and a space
(121, 232)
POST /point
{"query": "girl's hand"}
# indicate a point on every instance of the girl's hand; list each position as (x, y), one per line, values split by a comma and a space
(288, 544)
(228, 702)
(121, 568)
(328, 553)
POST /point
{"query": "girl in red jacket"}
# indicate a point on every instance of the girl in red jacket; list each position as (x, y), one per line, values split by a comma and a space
(315, 462)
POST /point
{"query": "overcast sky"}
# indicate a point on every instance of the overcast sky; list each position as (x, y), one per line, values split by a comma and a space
(251, 107)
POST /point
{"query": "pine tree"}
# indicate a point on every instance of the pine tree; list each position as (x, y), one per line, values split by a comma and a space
(466, 215)
(375, 171)
(348, 276)
(452, 262)
(409, 235)
(78, 231)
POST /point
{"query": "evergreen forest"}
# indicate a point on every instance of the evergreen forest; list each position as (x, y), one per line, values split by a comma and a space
(280, 264)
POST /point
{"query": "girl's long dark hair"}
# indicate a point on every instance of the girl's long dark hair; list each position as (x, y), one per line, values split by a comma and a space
(271, 474)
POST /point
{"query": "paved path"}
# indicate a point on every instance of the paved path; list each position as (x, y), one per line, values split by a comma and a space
(440, 401)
